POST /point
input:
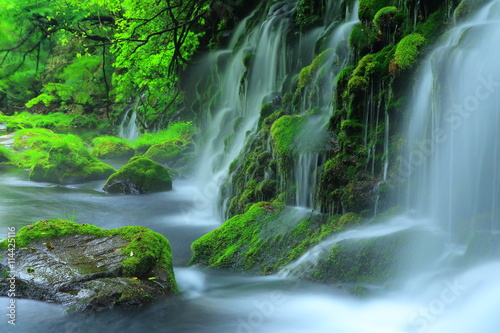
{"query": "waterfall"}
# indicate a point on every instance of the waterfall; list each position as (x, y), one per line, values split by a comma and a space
(235, 108)
(452, 153)
(450, 162)
(128, 127)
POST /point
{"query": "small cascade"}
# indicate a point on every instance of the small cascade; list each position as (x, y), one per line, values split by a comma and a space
(309, 260)
(305, 178)
(128, 128)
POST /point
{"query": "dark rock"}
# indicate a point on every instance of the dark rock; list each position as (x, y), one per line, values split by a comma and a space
(88, 268)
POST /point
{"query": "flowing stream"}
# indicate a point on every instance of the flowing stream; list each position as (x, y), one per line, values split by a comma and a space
(452, 162)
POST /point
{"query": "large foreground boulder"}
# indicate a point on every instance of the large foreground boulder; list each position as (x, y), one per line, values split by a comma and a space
(85, 267)
(140, 175)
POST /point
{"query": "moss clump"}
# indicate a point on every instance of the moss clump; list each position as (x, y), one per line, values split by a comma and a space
(112, 147)
(384, 16)
(358, 82)
(369, 8)
(284, 133)
(57, 158)
(307, 73)
(144, 250)
(140, 175)
(407, 52)
(362, 38)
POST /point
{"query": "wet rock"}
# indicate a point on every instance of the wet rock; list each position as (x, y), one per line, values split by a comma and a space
(88, 268)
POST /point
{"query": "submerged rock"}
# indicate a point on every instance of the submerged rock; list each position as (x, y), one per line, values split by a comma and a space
(88, 268)
(140, 175)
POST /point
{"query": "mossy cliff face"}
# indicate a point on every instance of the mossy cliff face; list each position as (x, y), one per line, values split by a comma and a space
(88, 268)
(357, 169)
(140, 175)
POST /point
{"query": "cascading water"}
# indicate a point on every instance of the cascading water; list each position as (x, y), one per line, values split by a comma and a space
(235, 109)
(451, 165)
(313, 134)
(128, 127)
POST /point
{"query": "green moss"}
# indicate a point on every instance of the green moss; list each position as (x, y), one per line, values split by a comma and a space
(112, 147)
(140, 175)
(362, 38)
(266, 238)
(145, 247)
(6, 155)
(432, 28)
(307, 73)
(369, 8)
(284, 134)
(58, 158)
(384, 16)
(407, 52)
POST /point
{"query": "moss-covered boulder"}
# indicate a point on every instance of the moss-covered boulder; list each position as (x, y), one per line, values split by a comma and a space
(58, 158)
(112, 147)
(266, 238)
(85, 267)
(140, 175)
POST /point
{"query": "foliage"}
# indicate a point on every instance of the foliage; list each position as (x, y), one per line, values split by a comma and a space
(28, 120)
(176, 131)
(89, 56)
